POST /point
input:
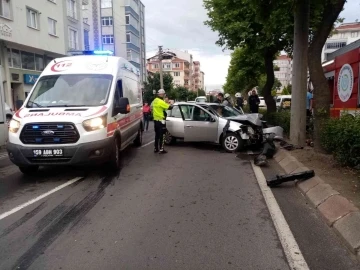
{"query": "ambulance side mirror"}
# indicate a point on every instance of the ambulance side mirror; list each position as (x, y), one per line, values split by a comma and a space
(123, 107)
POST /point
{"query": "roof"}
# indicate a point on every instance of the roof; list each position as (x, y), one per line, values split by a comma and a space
(283, 57)
(345, 49)
(348, 26)
(197, 62)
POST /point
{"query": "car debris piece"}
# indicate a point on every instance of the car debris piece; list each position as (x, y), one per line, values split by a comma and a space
(268, 151)
(279, 179)
(288, 146)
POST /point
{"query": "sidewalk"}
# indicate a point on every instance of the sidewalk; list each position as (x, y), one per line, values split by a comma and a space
(334, 191)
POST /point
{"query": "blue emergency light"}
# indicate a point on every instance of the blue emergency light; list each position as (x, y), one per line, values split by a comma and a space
(97, 53)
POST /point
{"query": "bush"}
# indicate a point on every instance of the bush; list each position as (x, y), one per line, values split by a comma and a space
(341, 137)
(281, 119)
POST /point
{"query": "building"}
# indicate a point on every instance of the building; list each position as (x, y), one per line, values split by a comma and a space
(118, 26)
(283, 70)
(181, 66)
(344, 34)
(32, 33)
(202, 80)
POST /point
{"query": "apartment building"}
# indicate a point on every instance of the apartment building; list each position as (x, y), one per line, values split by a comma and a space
(283, 70)
(32, 33)
(181, 66)
(345, 34)
(118, 26)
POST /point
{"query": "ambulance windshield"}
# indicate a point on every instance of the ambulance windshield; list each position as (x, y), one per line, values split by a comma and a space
(75, 90)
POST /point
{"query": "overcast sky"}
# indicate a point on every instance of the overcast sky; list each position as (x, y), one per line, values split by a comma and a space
(179, 24)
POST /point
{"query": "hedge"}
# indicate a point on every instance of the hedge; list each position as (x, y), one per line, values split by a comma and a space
(281, 118)
(341, 137)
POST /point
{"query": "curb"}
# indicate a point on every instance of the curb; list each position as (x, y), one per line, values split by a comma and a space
(337, 211)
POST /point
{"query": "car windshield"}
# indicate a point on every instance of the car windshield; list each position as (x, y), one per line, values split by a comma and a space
(70, 91)
(224, 111)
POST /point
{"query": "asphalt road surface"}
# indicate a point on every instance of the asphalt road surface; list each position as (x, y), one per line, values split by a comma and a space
(194, 208)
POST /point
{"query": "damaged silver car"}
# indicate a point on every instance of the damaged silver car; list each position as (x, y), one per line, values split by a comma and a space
(214, 123)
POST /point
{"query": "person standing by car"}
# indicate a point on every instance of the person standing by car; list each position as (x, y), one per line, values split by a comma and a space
(239, 101)
(146, 113)
(254, 102)
(309, 103)
(159, 108)
(219, 98)
(227, 100)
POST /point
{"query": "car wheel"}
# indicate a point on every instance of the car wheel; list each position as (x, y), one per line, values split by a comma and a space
(232, 142)
(29, 170)
(169, 139)
(114, 162)
(139, 138)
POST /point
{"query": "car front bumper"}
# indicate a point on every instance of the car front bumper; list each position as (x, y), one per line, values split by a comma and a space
(83, 154)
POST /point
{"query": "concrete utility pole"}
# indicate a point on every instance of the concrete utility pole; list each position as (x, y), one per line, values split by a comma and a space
(299, 77)
(161, 67)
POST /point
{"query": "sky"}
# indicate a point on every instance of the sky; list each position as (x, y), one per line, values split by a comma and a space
(180, 24)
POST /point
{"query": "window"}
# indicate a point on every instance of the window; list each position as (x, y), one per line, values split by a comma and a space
(335, 45)
(73, 39)
(79, 89)
(106, 3)
(32, 18)
(52, 26)
(133, 4)
(130, 20)
(71, 8)
(177, 82)
(176, 74)
(27, 60)
(16, 58)
(131, 38)
(127, 19)
(48, 59)
(155, 65)
(39, 62)
(86, 40)
(167, 66)
(354, 34)
(175, 112)
(133, 56)
(187, 111)
(176, 65)
(107, 21)
(343, 35)
(5, 8)
(108, 39)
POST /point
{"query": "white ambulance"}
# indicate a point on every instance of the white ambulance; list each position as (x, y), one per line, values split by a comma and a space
(82, 110)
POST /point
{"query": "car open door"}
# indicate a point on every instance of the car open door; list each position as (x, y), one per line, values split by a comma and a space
(199, 124)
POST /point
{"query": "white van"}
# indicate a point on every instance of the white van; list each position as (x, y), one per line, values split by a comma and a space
(201, 99)
(283, 102)
(82, 110)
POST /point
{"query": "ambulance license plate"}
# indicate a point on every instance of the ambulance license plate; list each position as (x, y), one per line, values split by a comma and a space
(48, 152)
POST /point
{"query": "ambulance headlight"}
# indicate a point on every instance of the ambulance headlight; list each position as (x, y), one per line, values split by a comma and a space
(14, 126)
(95, 123)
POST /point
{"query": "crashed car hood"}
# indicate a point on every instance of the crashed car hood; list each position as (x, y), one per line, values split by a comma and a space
(253, 118)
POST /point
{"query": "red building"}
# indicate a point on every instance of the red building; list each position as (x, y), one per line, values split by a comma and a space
(342, 71)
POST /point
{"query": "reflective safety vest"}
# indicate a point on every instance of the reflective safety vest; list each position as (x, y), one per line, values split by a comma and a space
(158, 108)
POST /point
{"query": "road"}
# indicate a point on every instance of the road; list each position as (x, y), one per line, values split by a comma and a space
(194, 208)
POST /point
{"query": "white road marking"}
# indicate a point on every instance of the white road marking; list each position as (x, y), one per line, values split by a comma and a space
(292, 251)
(147, 144)
(18, 208)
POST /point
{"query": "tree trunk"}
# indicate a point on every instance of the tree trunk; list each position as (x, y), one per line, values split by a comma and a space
(320, 84)
(299, 77)
(270, 79)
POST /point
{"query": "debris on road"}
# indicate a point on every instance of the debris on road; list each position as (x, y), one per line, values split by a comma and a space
(268, 151)
(288, 146)
(279, 179)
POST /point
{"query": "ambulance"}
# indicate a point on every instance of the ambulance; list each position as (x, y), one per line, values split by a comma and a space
(82, 110)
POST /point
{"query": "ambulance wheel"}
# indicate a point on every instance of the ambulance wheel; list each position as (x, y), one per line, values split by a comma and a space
(115, 162)
(29, 170)
(139, 138)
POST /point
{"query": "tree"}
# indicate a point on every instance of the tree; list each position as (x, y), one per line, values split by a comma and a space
(153, 83)
(181, 93)
(324, 15)
(286, 90)
(201, 92)
(260, 24)
(191, 95)
(244, 71)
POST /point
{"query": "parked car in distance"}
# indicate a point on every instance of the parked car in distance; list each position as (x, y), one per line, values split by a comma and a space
(262, 102)
(283, 102)
(206, 122)
(201, 99)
